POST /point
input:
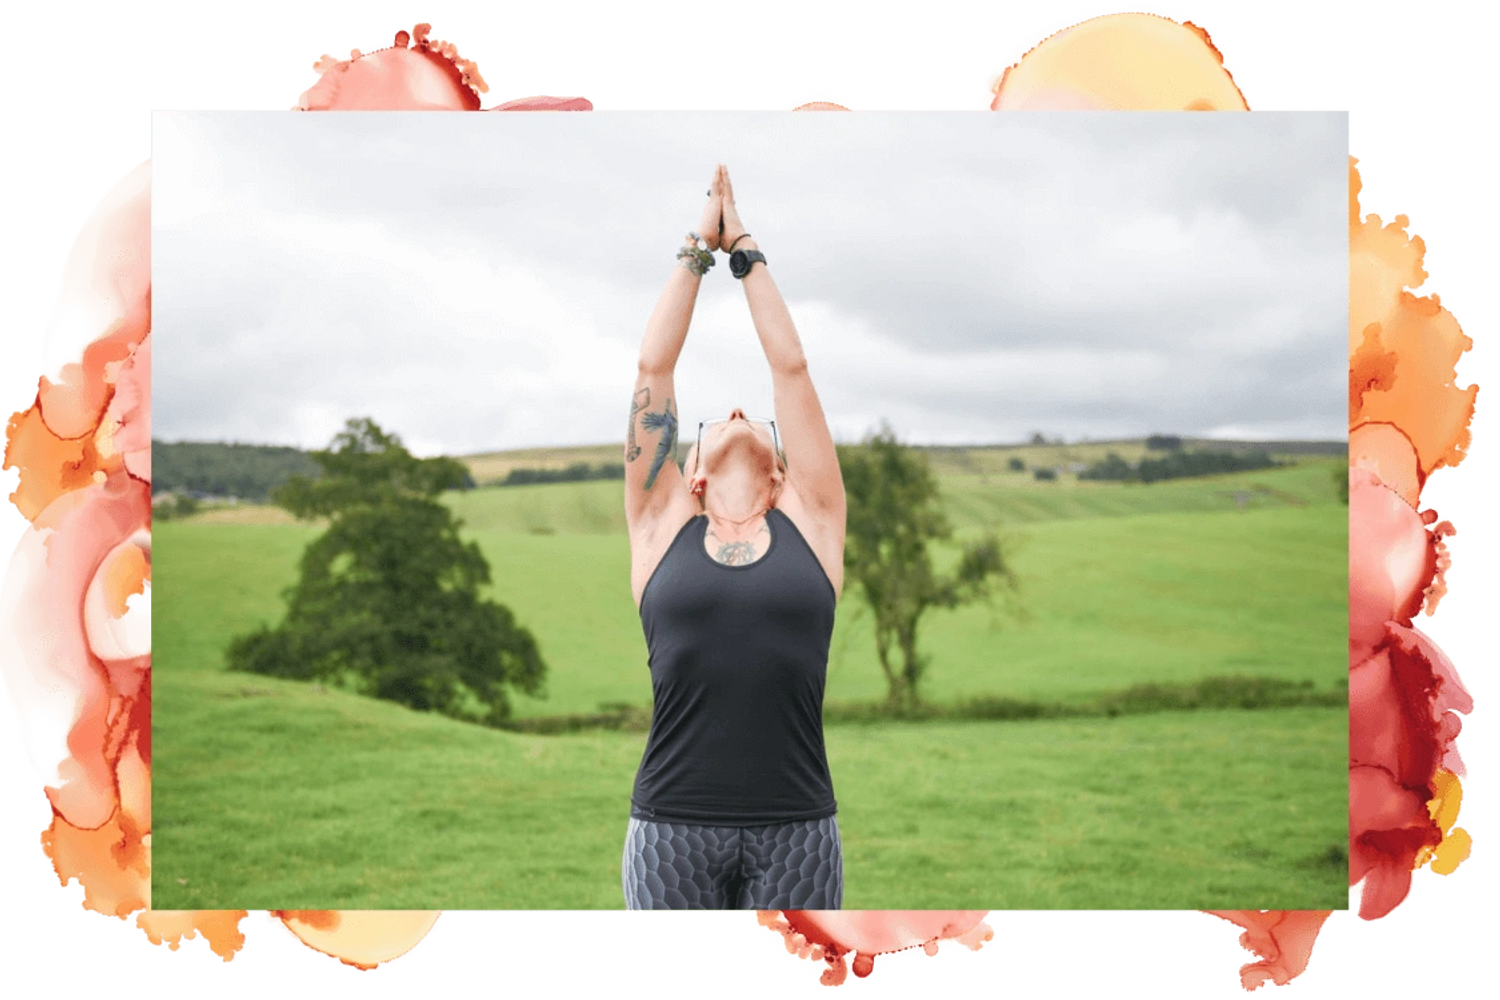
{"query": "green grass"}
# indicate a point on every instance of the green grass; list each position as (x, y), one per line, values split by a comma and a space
(275, 795)
(1116, 601)
(271, 794)
(587, 508)
(283, 794)
(1213, 809)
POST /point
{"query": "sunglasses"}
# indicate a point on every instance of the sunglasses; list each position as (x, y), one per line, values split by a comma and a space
(763, 421)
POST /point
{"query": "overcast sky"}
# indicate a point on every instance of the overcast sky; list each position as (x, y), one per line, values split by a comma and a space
(478, 282)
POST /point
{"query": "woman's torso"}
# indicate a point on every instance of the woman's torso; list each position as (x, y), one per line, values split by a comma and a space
(739, 659)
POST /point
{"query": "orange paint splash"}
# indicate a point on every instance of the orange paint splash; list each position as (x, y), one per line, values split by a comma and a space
(819, 99)
(53, 570)
(75, 595)
(125, 574)
(1445, 858)
(1403, 349)
(1407, 419)
(112, 863)
(832, 935)
(83, 454)
(106, 312)
(416, 69)
(545, 104)
(1394, 753)
(220, 928)
(1282, 938)
(1384, 450)
(361, 938)
(49, 465)
(83, 451)
(425, 76)
(1121, 62)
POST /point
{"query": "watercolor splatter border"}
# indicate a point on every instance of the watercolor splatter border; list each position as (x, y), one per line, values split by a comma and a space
(467, 75)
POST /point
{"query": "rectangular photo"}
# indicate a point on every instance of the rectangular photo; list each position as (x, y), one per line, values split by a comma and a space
(663, 510)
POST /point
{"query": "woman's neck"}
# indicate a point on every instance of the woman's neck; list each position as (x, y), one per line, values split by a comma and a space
(735, 501)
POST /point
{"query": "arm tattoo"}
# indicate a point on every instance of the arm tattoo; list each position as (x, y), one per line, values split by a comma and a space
(639, 402)
(666, 422)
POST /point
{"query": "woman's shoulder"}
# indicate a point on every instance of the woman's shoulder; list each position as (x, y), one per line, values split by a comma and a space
(809, 519)
(824, 536)
(657, 530)
(651, 540)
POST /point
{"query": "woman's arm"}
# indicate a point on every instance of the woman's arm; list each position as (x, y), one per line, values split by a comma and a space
(812, 463)
(651, 474)
(653, 483)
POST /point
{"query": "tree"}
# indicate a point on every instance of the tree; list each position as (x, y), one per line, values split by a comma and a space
(388, 596)
(1163, 442)
(894, 515)
(174, 505)
(1111, 467)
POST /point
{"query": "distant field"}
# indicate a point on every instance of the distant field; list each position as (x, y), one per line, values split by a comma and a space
(491, 467)
(1164, 596)
(278, 794)
(973, 499)
(963, 459)
(995, 459)
(240, 513)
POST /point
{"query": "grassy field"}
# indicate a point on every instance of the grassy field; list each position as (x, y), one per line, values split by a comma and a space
(273, 794)
(1149, 594)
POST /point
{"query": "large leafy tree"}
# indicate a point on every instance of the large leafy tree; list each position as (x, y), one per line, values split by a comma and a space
(388, 597)
(895, 516)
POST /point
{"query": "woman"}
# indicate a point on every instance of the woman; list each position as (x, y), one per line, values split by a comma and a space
(736, 570)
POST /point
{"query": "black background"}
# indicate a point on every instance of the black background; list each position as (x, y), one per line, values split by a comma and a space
(80, 116)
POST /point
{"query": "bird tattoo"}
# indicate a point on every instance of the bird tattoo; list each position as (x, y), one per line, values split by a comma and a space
(665, 421)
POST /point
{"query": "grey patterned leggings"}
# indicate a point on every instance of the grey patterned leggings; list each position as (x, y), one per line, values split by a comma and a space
(681, 866)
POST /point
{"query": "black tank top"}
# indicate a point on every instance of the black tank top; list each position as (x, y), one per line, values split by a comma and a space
(739, 657)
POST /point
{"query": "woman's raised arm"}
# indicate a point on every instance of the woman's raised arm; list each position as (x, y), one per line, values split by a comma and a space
(653, 483)
(812, 463)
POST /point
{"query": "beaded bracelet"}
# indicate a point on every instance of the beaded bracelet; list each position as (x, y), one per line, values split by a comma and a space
(695, 259)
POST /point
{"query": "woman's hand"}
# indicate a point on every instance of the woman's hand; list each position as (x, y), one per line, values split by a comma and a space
(710, 226)
(733, 227)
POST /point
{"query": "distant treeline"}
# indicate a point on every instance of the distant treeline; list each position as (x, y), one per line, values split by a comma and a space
(217, 469)
(204, 468)
(576, 473)
(1177, 465)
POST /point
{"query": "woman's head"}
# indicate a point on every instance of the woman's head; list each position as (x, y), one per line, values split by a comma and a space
(738, 450)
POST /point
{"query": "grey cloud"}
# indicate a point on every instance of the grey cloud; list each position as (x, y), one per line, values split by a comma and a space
(948, 236)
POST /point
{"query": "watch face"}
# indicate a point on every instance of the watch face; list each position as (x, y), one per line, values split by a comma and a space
(741, 261)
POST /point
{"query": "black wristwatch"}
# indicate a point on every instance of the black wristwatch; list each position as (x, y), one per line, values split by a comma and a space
(741, 261)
